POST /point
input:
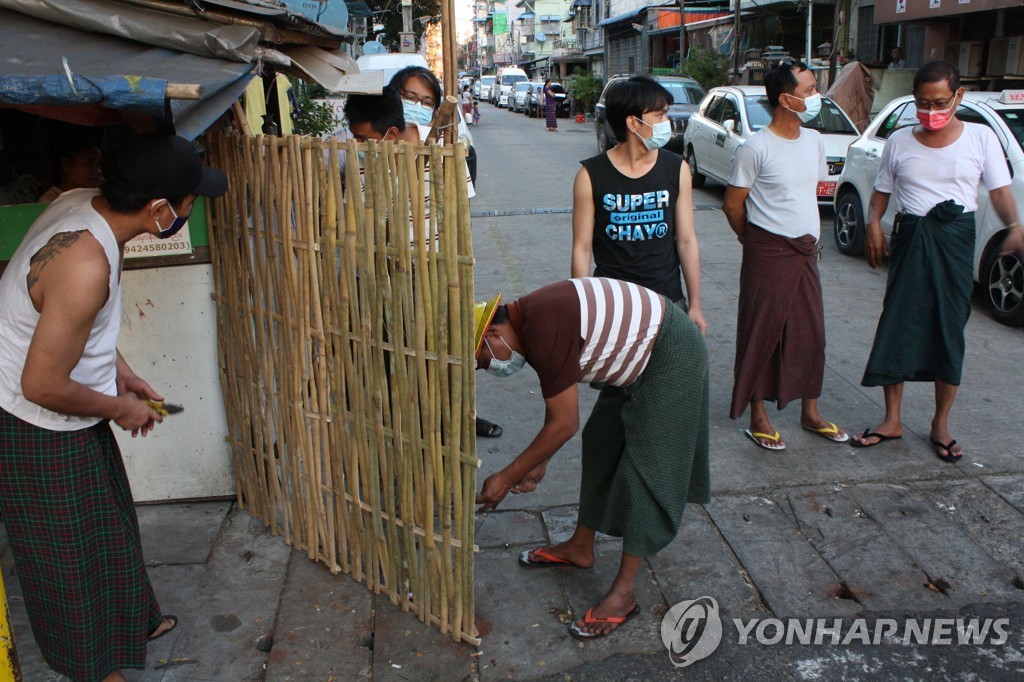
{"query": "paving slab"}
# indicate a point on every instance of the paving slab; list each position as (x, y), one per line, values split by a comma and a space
(180, 533)
(508, 529)
(324, 626)
(236, 605)
(585, 589)
(33, 667)
(1010, 488)
(406, 649)
(175, 586)
(991, 522)
(790, 575)
(698, 563)
(876, 573)
(560, 523)
(952, 560)
(523, 618)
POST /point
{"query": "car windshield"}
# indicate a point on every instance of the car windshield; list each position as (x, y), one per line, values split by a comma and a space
(681, 93)
(487, 80)
(831, 120)
(557, 89)
(512, 80)
(1014, 119)
(522, 87)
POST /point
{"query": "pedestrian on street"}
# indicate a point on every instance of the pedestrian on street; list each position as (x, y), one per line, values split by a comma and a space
(67, 506)
(934, 169)
(633, 205)
(550, 106)
(467, 104)
(80, 165)
(645, 445)
(771, 205)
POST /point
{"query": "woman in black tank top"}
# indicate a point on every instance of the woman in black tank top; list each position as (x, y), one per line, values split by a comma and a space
(633, 207)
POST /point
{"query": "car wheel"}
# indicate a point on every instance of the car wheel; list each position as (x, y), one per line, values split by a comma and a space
(1003, 281)
(602, 140)
(696, 178)
(849, 226)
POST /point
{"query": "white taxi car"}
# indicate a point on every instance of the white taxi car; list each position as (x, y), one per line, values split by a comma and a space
(1001, 277)
(729, 115)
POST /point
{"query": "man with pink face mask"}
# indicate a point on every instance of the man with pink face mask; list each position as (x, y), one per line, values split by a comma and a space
(934, 169)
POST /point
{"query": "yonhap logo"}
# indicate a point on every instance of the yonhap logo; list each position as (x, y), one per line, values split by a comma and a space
(691, 630)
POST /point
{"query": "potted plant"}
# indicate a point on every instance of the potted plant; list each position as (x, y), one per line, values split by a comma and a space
(585, 89)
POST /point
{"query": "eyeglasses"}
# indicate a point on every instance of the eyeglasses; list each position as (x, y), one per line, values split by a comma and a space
(934, 106)
(416, 99)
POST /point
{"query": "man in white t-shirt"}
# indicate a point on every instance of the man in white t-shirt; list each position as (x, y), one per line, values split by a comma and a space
(934, 169)
(771, 204)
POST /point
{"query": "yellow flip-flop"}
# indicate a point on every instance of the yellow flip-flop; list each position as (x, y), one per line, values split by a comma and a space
(831, 432)
(755, 435)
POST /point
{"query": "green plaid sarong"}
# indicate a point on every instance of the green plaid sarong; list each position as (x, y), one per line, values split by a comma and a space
(920, 335)
(645, 446)
(71, 524)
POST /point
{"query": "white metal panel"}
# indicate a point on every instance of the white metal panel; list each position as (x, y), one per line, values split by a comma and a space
(169, 337)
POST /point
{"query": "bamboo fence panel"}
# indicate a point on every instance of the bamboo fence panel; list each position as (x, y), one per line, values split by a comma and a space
(344, 328)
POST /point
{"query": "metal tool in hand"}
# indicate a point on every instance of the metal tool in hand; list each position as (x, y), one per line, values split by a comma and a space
(164, 409)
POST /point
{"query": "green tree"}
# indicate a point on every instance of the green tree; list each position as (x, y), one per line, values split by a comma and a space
(308, 117)
(710, 68)
(389, 13)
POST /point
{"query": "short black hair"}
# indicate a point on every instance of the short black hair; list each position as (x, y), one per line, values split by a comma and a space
(936, 72)
(399, 79)
(381, 111)
(781, 78)
(633, 96)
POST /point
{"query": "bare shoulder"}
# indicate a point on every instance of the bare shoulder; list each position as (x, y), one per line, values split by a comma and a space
(72, 260)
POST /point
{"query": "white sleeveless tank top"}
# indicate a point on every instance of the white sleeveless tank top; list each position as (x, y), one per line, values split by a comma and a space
(72, 211)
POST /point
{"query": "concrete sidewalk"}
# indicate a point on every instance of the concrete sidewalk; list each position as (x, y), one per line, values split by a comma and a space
(820, 531)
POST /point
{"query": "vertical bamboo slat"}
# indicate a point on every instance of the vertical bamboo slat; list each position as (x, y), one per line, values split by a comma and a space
(344, 321)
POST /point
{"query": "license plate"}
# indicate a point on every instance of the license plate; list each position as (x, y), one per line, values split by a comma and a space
(826, 189)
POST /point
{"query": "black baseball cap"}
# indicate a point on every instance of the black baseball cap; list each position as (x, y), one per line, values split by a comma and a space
(160, 165)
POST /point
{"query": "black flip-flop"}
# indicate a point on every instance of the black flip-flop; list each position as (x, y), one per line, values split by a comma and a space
(174, 624)
(868, 433)
(948, 447)
(486, 429)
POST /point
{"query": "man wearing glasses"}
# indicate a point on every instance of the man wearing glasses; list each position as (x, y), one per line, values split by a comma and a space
(771, 205)
(934, 170)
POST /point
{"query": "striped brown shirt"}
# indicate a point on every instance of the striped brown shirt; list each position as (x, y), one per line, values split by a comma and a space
(593, 329)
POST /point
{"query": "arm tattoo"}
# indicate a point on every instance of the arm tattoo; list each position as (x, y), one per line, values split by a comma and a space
(45, 255)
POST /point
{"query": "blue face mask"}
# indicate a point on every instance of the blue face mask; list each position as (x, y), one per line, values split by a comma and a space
(176, 224)
(504, 368)
(661, 133)
(417, 113)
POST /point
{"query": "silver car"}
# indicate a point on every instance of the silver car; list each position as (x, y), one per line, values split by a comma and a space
(1001, 276)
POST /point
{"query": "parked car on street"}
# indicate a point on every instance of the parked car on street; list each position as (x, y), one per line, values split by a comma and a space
(507, 78)
(686, 94)
(729, 115)
(535, 105)
(518, 96)
(1001, 277)
(483, 88)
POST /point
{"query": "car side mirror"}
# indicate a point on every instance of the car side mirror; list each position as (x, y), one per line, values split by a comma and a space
(730, 126)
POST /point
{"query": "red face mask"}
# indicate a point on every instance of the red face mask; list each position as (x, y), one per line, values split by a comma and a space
(936, 120)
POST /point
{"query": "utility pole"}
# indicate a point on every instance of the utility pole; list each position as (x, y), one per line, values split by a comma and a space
(407, 38)
(808, 54)
(682, 34)
(736, 44)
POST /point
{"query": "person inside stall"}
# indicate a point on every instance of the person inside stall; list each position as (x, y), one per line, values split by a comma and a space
(78, 166)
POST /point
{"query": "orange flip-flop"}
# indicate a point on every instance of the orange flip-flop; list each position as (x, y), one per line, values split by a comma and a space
(590, 619)
(550, 560)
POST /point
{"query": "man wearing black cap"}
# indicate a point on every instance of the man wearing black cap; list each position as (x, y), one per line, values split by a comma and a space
(67, 506)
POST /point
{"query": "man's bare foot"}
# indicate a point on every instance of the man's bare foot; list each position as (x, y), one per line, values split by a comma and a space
(567, 551)
(613, 607)
(116, 676)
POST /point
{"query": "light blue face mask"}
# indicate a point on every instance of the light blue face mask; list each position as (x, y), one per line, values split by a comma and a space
(417, 113)
(504, 368)
(661, 133)
(812, 107)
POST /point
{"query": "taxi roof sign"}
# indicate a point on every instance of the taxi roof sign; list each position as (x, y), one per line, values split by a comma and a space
(1011, 97)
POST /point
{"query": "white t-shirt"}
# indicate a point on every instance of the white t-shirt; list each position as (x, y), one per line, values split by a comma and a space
(924, 176)
(783, 179)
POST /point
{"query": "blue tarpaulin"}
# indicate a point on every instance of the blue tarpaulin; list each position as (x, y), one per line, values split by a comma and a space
(111, 78)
